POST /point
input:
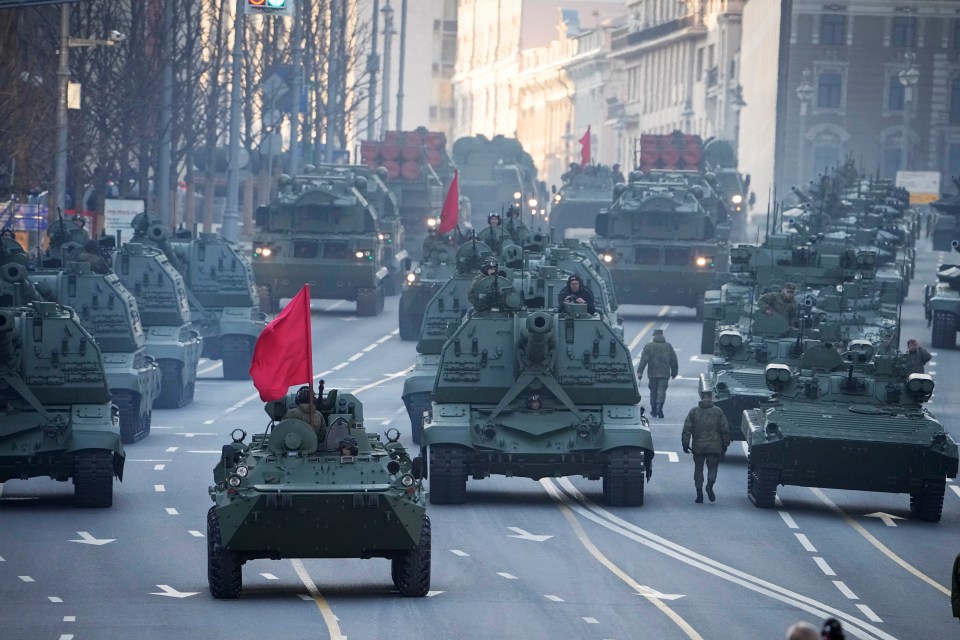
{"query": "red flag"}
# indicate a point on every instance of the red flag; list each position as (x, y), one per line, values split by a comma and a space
(585, 148)
(451, 206)
(282, 356)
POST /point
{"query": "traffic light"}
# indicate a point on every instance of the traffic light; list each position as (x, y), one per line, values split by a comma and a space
(270, 7)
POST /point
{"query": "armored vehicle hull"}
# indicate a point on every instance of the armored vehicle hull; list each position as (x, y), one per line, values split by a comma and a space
(420, 288)
(58, 420)
(288, 495)
(942, 307)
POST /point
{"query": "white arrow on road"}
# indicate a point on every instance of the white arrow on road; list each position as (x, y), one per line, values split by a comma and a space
(170, 592)
(653, 593)
(886, 517)
(89, 539)
(526, 535)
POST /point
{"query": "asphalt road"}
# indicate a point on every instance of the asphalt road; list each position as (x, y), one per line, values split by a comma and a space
(521, 559)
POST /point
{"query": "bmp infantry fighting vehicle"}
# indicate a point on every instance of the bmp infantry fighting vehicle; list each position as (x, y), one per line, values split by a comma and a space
(56, 419)
(422, 283)
(287, 495)
(165, 313)
(535, 394)
(584, 193)
(941, 304)
(109, 312)
(320, 230)
(853, 421)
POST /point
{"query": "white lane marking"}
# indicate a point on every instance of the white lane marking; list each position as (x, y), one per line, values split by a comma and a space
(340, 366)
(159, 467)
(888, 519)
(1, 559)
(521, 534)
(671, 455)
(457, 552)
(329, 619)
(198, 433)
(805, 542)
(386, 422)
(845, 590)
(69, 618)
(590, 620)
(54, 599)
(867, 611)
(508, 576)
(430, 594)
(170, 592)
(788, 519)
(385, 379)
(384, 339)
(66, 636)
(209, 369)
(700, 359)
(207, 422)
(159, 488)
(195, 533)
(172, 511)
(955, 489)
(355, 357)
(370, 347)
(87, 538)
(553, 598)
(27, 579)
(824, 566)
(201, 451)
(746, 449)
(172, 449)
(269, 576)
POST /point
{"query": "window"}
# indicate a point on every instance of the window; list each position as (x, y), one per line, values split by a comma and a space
(833, 29)
(904, 31)
(953, 159)
(304, 248)
(825, 156)
(829, 90)
(647, 255)
(895, 94)
(678, 256)
(955, 101)
(956, 33)
(892, 154)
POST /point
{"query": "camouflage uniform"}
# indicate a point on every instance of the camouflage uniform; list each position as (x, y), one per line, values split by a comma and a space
(707, 427)
(660, 361)
(915, 360)
(777, 302)
(480, 304)
(96, 261)
(319, 424)
(430, 243)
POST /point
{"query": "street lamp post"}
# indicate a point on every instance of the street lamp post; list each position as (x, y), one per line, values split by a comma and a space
(909, 77)
(737, 103)
(805, 95)
(687, 115)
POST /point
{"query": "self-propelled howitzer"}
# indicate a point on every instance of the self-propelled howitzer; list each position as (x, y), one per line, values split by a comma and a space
(536, 394)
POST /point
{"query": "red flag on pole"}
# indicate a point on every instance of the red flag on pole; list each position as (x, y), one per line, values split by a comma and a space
(451, 206)
(283, 355)
(585, 148)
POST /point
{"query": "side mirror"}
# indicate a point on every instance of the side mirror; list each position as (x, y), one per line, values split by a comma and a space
(417, 468)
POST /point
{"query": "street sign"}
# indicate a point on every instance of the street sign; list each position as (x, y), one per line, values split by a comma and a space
(924, 186)
(118, 216)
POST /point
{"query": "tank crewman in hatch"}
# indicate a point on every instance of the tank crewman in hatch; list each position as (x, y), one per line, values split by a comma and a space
(660, 361)
(91, 255)
(514, 225)
(915, 357)
(431, 242)
(707, 428)
(494, 235)
(576, 292)
(781, 302)
(303, 410)
(488, 268)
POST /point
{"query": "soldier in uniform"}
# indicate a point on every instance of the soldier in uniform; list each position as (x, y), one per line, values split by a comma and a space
(659, 356)
(916, 356)
(617, 175)
(707, 427)
(576, 292)
(431, 242)
(304, 409)
(91, 255)
(514, 225)
(781, 302)
(494, 235)
(487, 269)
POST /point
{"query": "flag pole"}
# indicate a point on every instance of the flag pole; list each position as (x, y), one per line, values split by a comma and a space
(309, 337)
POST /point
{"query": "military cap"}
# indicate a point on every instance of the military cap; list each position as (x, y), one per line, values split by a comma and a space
(658, 332)
(789, 286)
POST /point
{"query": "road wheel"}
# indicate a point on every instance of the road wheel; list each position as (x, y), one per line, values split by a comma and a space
(944, 334)
(93, 478)
(224, 567)
(134, 425)
(410, 324)
(236, 353)
(927, 503)
(413, 570)
(171, 385)
(762, 486)
(448, 475)
(623, 478)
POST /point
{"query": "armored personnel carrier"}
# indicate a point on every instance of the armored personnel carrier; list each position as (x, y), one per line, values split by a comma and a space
(491, 172)
(941, 305)
(56, 419)
(421, 284)
(164, 309)
(848, 422)
(535, 394)
(585, 191)
(109, 312)
(320, 230)
(286, 495)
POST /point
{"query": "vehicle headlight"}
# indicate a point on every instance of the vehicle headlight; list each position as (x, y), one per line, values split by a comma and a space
(736, 199)
(411, 278)
(702, 262)
(607, 257)
(431, 222)
(381, 236)
(234, 480)
(407, 480)
(242, 471)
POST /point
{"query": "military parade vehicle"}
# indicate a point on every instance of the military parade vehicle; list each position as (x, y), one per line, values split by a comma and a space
(535, 394)
(585, 191)
(164, 309)
(321, 230)
(421, 284)
(854, 421)
(945, 225)
(493, 173)
(285, 494)
(57, 420)
(110, 313)
(941, 305)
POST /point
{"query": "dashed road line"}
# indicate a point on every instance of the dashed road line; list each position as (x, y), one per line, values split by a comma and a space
(845, 590)
(671, 455)
(26, 579)
(69, 618)
(356, 357)
(457, 552)
(867, 611)
(54, 599)
(553, 598)
(196, 534)
(827, 570)
(269, 576)
(590, 620)
(159, 488)
(508, 576)
(172, 449)
(805, 542)
(340, 366)
(172, 511)
(159, 467)
(788, 519)
(955, 489)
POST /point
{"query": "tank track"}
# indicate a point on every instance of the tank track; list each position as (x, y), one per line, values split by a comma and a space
(224, 567)
(623, 478)
(762, 486)
(236, 354)
(134, 426)
(93, 478)
(448, 475)
(411, 571)
(927, 504)
(944, 333)
(173, 393)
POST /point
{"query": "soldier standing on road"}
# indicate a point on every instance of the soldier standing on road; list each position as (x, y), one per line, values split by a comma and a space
(707, 427)
(916, 356)
(304, 409)
(617, 175)
(661, 359)
(781, 302)
(488, 269)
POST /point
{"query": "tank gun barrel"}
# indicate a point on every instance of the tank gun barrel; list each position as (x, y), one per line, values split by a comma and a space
(804, 197)
(539, 330)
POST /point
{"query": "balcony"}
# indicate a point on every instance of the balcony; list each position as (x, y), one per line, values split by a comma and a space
(625, 39)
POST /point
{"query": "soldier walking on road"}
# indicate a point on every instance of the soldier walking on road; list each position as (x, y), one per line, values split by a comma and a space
(707, 428)
(661, 359)
(916, 356)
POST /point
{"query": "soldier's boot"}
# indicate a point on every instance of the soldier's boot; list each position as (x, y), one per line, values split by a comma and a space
(699, 499)
(710, 493)
(654, 411)
(660, 410)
